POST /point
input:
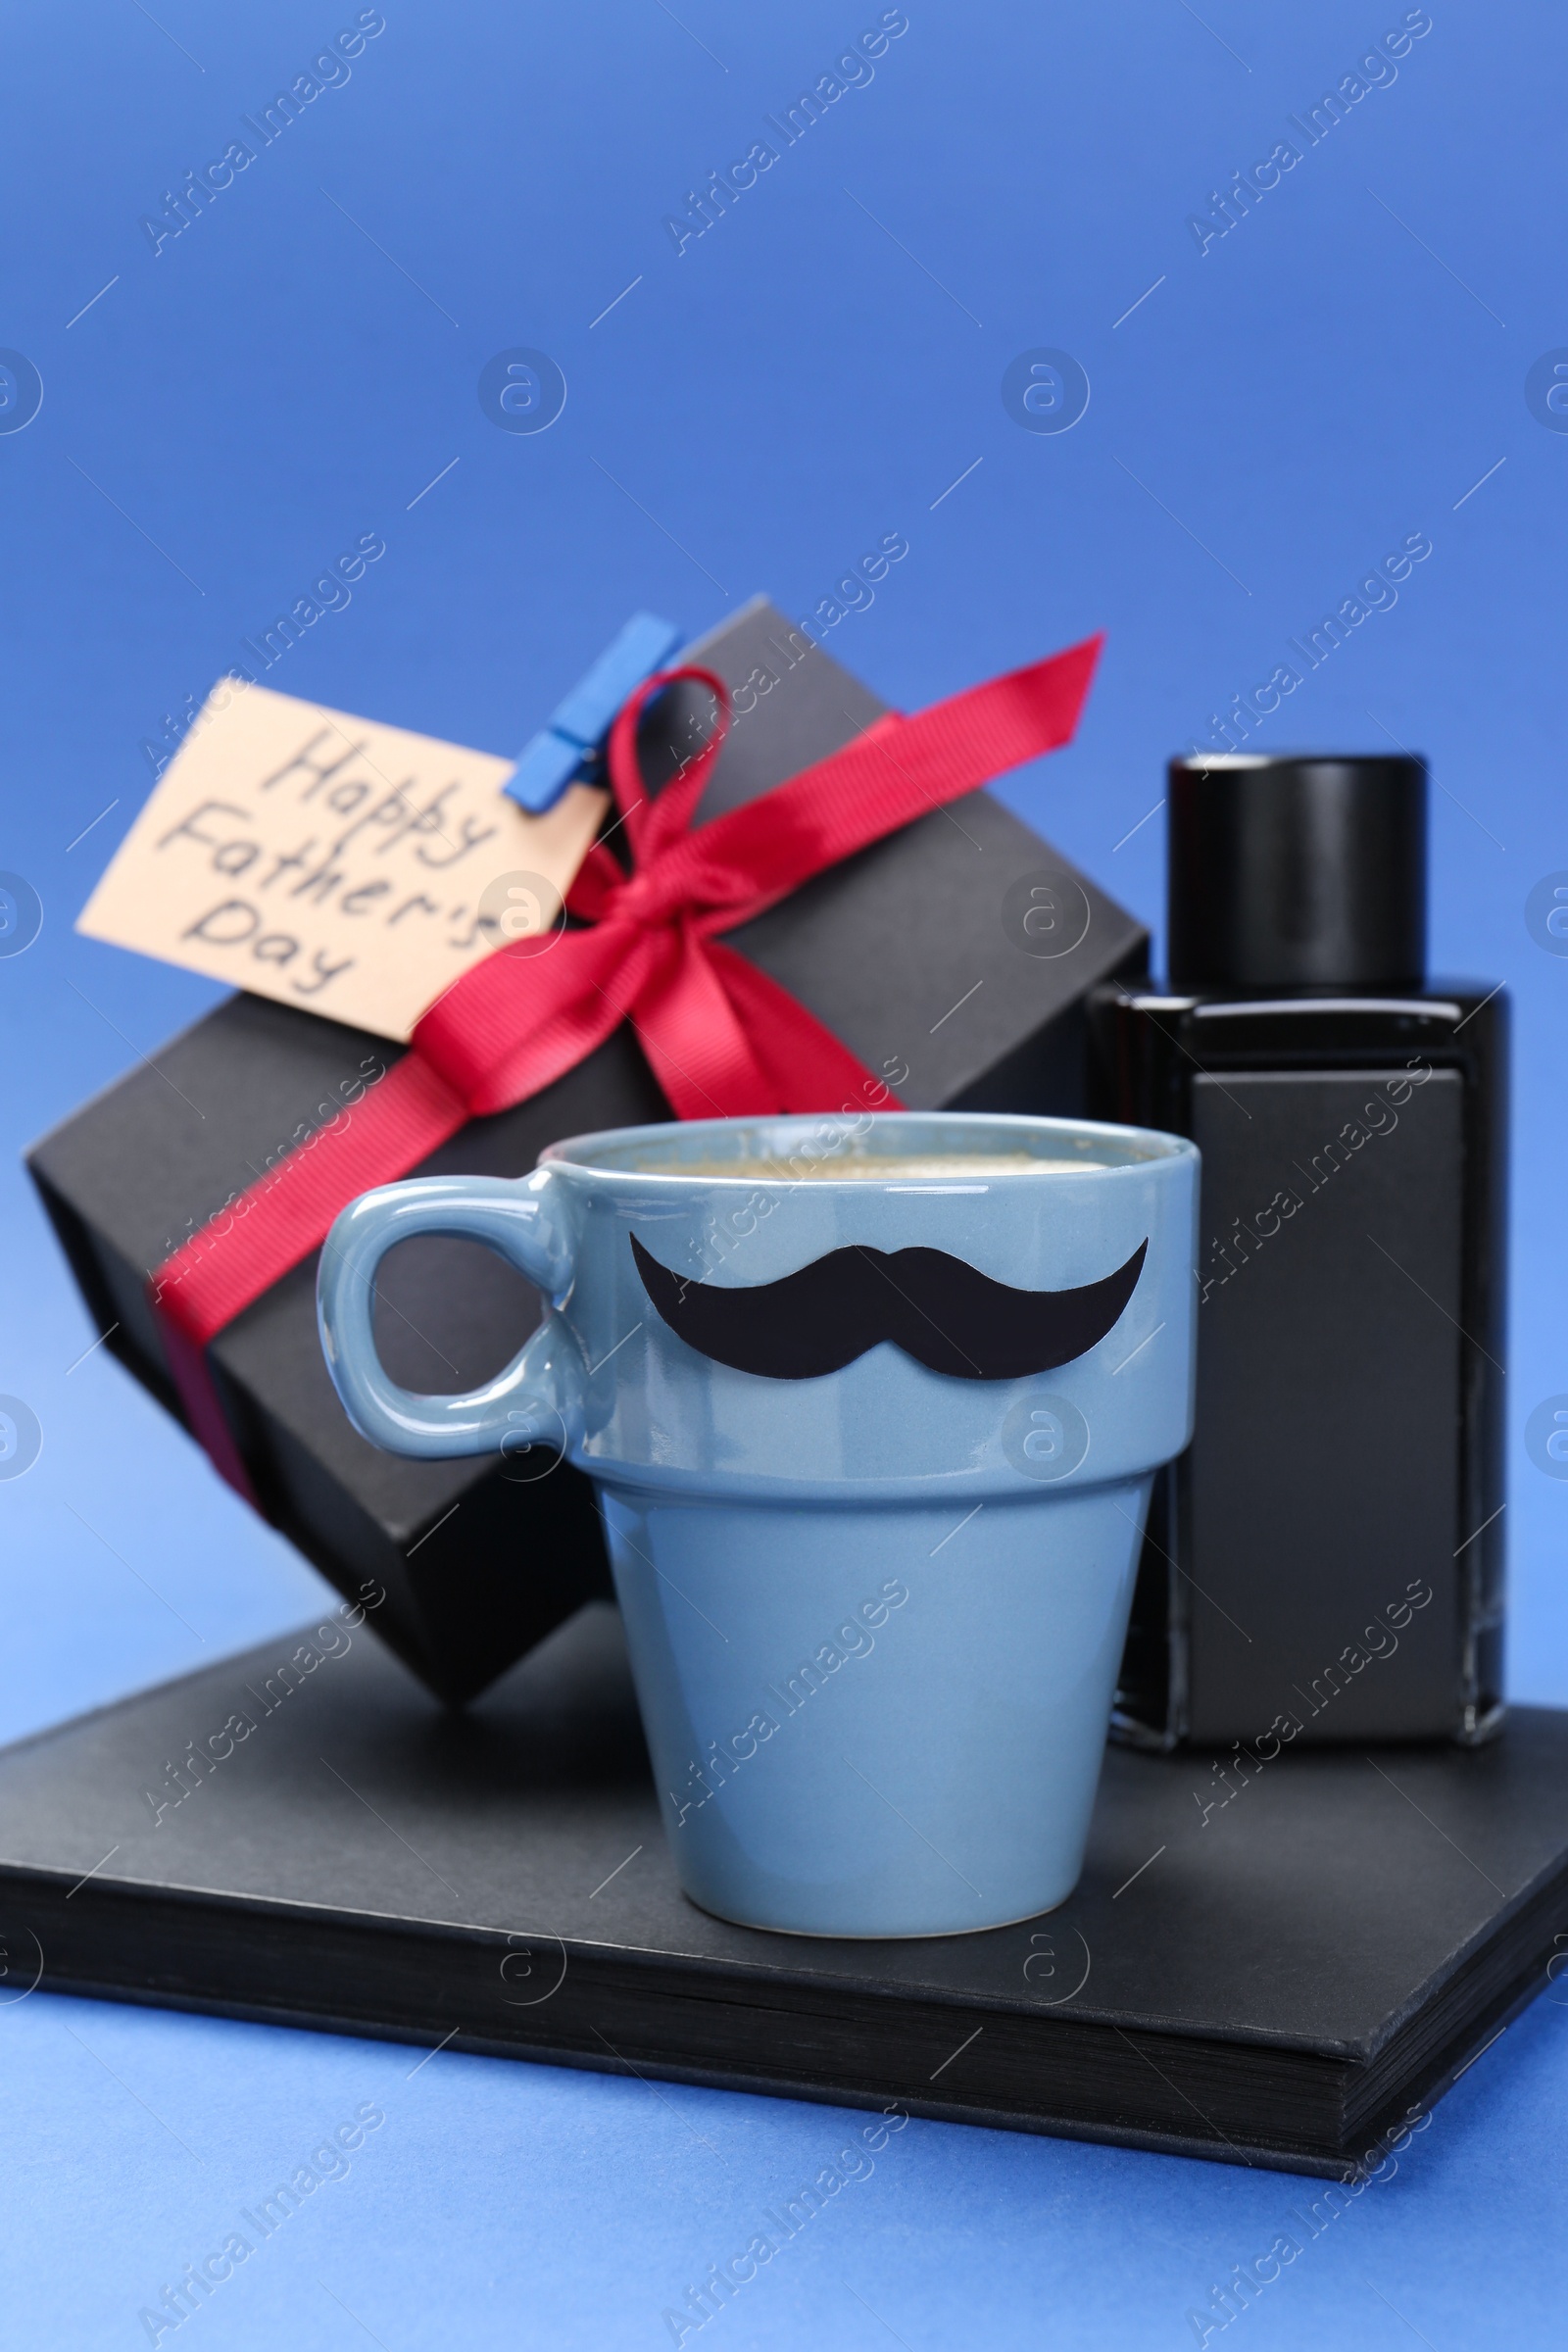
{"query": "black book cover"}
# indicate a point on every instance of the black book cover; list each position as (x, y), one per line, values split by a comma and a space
(1283, 1966)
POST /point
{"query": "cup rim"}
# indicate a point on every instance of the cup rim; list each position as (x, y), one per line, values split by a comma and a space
(1146, 1146)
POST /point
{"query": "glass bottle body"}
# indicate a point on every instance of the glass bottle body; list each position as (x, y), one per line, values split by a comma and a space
(1327, 1554)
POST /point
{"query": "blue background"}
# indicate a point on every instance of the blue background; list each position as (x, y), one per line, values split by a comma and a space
(815, 371)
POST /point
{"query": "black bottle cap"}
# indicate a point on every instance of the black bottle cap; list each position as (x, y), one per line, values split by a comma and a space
(1304, 872)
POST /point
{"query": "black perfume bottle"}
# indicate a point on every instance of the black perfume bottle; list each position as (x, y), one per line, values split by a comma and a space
(1325, 1563)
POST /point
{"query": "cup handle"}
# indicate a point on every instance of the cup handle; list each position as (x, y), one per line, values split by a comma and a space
(537, 1399)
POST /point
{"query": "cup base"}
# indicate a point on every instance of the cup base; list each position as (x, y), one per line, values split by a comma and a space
(982, 1926)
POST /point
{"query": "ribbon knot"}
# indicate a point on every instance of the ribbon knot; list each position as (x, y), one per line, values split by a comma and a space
(723, 1040)
(668, 882)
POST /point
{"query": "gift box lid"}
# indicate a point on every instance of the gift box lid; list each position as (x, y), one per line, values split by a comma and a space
(936, 954)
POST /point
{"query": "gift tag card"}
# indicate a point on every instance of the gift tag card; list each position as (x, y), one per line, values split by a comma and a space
(333, 863)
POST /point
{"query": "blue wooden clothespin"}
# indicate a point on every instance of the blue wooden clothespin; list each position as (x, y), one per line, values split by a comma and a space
(569, 749)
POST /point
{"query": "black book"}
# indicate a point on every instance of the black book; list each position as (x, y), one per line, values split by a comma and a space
(1282, 1965)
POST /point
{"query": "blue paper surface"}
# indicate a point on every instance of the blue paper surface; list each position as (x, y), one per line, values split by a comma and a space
(1367, 352)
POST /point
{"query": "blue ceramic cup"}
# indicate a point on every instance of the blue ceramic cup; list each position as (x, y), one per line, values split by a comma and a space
(872, 1407)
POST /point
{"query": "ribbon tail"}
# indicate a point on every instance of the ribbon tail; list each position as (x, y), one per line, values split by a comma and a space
(278, 1220)
(697, 1045)
(281, 1217)
(894, 771)
(191, 1371)
(807, 1068)
(514, 1024)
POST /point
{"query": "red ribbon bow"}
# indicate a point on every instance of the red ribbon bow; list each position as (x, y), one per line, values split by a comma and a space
(722, 1038)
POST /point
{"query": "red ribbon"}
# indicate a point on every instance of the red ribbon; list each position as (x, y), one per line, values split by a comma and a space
(721, 1039)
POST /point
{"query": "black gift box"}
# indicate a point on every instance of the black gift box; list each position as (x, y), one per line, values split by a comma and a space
(954, 956)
